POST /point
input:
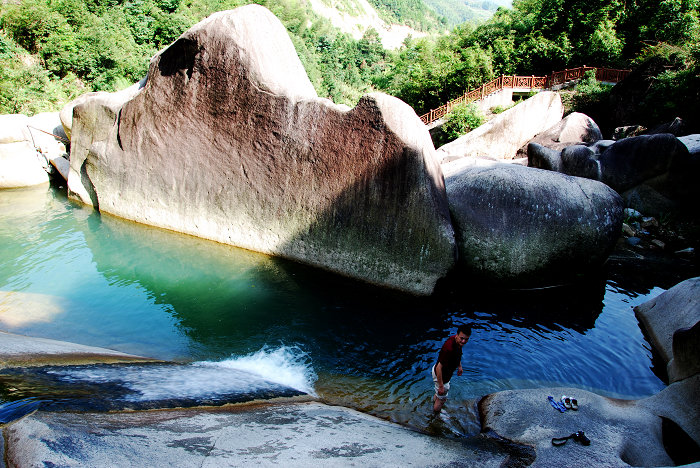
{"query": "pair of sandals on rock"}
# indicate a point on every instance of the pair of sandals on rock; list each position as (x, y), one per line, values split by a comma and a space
(569, 402)
(566, 403)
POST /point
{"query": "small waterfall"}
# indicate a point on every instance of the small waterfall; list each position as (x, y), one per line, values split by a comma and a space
(265, 374)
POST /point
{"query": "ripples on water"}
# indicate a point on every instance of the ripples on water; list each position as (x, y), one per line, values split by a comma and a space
(97, 280)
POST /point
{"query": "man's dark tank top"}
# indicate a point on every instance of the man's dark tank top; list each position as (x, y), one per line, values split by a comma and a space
(450, 356)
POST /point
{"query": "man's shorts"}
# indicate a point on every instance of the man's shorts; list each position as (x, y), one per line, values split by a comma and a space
(447, 387)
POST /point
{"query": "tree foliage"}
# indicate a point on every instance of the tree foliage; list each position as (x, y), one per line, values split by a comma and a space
(107, 44)
(462, 119)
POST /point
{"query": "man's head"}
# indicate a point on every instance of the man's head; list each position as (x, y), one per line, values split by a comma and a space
(464, 331)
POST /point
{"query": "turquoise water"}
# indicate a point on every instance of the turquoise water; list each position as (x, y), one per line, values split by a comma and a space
(69, 273)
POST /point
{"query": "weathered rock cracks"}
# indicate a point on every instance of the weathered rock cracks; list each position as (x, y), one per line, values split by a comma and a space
(516, 224)
(228, 141)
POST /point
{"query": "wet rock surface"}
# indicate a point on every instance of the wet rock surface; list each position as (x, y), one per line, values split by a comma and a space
(303, 434)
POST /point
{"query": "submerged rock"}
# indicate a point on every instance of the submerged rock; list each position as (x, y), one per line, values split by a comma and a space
(672, 323)
(531, 227)
(228, 141)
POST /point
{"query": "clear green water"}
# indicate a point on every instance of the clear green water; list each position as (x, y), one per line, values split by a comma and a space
(69, 273)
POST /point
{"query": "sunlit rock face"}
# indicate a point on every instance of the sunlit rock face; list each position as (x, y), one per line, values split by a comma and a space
(20, 164)
(229, 141)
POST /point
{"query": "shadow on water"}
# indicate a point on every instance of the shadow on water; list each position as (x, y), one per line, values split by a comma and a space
(371, 348)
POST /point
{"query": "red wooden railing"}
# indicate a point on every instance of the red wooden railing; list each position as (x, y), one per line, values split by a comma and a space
(524, 82)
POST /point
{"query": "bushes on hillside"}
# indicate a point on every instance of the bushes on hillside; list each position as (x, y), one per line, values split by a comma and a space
(462, 119)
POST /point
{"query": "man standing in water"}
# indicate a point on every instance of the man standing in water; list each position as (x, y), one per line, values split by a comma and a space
(449, 360)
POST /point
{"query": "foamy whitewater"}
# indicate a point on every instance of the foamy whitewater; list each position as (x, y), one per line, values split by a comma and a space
(265, 369)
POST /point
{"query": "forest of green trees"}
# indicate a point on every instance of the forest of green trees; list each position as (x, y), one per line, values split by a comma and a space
(54, 50)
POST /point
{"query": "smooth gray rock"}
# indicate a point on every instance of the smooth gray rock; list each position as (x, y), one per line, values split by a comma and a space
(295, 435)
(573, 129)
(632, 161)
(622, 432)
(21, 165)
(601, 145)
(580, 161)
(679, 403)
(671, 323)
(649, 201)
(91, 118)
(118, 98)
(228, 141)
(692, 142)
(501, 137)
(19, 350)
(526, 225)
(13, 128)
(542, 157)
(676, 127)
(27, 146)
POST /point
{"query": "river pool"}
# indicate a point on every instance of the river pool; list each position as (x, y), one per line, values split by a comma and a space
(69, 273)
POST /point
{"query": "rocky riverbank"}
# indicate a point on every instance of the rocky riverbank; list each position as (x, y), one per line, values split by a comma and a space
(517, 426)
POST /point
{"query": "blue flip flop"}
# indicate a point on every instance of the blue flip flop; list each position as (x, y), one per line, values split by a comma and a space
(556, 404)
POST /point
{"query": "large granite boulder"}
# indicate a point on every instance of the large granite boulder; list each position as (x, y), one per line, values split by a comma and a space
(573, 129)
(501, 137)
(643, 432)
(631, 161)
(21, 165)
(526, 226)
(542, 157)
(672, 323)
(28, 145)
(228, 141)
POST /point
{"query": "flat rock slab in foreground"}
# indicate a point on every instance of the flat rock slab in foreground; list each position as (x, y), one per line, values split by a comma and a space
(228, 141)
(18, 350)
(307, 434)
